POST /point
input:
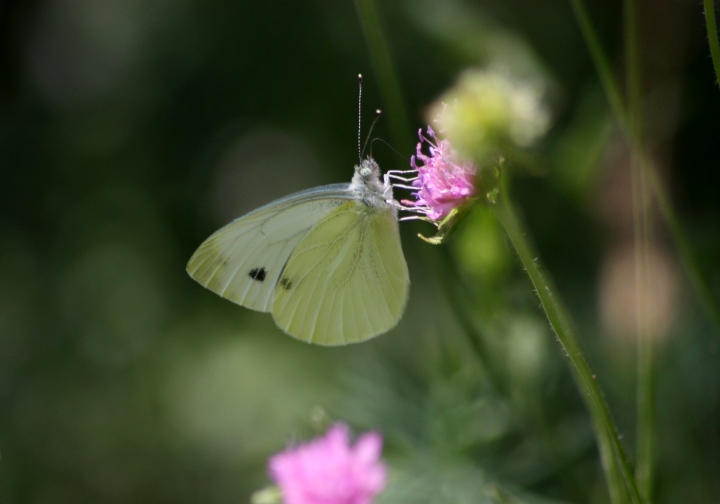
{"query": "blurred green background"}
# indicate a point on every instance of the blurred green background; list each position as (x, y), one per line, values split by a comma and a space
(131, 130)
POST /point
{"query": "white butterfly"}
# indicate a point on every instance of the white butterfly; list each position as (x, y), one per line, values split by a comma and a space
(326, 262)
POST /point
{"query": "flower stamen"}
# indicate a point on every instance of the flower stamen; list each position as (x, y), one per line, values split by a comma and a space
(440, 182)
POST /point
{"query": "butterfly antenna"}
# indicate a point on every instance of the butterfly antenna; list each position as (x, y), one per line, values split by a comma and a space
(393, 149)
(377, 116)
(359, 116)
(361, 147)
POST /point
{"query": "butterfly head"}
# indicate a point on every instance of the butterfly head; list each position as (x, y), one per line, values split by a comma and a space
(367, 171)
(367, 175)
(366, 183)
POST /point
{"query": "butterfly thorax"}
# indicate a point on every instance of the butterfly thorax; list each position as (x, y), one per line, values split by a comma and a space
(368, 187)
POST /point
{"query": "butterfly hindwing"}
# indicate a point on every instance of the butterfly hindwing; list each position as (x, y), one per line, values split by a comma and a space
(242, 261)
(346, 280)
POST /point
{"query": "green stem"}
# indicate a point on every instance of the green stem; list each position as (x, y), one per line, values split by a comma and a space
(387, 77)
(643, 295)
(645, 421)
(602, 65)
(709, 6)
(611, 450)
(644, 471)
(632, 70)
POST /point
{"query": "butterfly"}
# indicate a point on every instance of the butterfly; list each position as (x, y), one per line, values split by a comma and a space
(326, 262)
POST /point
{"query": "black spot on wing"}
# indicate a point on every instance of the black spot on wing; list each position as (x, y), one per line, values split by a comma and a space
(257, 274)
(285, 283)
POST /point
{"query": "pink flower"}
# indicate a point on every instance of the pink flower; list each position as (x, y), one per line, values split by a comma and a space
(330, 471)
(444, 182)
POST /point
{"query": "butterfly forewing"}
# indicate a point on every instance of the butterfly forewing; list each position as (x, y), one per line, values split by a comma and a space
(242, 261)
(347, 280)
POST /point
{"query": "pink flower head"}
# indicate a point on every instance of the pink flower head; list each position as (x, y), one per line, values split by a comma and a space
(444, 182)
(330, 471)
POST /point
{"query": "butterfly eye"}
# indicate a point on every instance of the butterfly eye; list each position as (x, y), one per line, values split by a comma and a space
(365, 172)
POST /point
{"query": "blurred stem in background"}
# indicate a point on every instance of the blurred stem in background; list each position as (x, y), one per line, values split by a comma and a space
(709, 6)
(642, 236)
(386, 75)
(602, 64)
(610, 85)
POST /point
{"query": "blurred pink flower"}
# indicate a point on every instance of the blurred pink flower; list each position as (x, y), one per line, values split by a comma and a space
(330, 471)
(444, 182)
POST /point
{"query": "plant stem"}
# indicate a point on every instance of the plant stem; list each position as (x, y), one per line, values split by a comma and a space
(611, 450)
(642, 220)
(387, 77)
(709, 6)
(607, 78)
(645, 422)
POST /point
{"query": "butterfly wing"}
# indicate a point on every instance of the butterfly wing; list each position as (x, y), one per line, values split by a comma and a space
(242, 261)
(347, 279)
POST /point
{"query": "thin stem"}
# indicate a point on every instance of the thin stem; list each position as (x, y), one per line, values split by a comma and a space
(709, 6)
(385, 71)
(643, 296)
(645, 447)
(642, 220)
(645, 429)
(632, 70)
(602, 65)
(611, 450)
